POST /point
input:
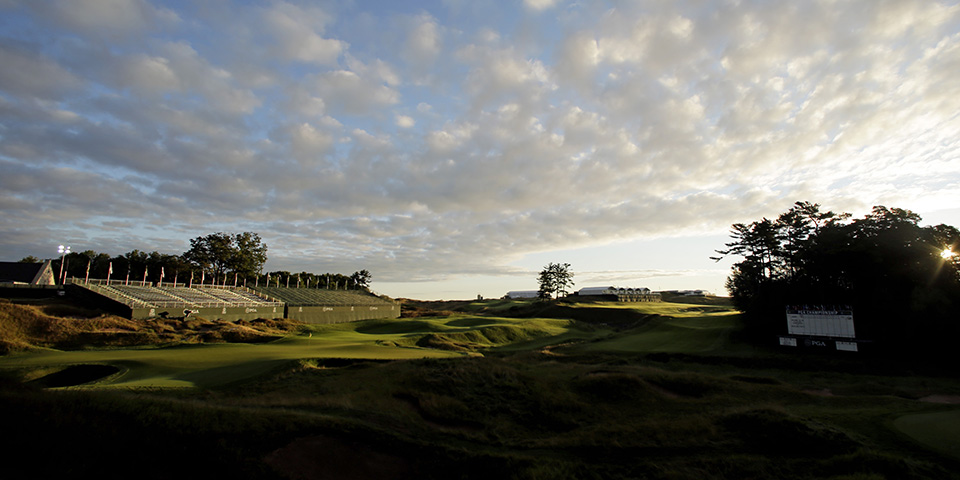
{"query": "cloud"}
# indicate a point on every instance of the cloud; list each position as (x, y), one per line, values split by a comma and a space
(454, 140)
(423, 42)
(106, 19)
(346, 92)
(538, 5)
(29, 73)
(297, 32)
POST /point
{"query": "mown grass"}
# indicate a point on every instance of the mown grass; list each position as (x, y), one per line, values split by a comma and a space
(936, 429)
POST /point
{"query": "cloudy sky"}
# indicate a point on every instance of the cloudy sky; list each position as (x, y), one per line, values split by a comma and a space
(455, 147)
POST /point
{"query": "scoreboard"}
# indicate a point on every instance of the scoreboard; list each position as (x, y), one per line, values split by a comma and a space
(820, 326)
(820, 322)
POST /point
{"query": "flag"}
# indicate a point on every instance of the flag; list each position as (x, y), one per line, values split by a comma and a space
(161, 276)
(203, 276)
(190, 285)
(235, 275)
(109, 272)
(87, 279)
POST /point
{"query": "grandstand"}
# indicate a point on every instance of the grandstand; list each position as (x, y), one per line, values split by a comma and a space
(140, 301)
(314, 305)
(148, 301)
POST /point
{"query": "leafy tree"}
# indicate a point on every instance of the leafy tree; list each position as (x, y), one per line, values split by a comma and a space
(250, 254)
(361, 279)
(221, 253)
(554, 280)
(29, 259)
(885, 265)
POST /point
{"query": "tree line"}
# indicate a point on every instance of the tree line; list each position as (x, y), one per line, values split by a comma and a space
(217, 258)
(901, 279)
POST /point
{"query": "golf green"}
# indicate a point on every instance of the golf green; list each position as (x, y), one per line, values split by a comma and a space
(940, 430)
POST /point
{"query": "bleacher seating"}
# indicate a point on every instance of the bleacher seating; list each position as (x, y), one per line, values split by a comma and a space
(319, 296)
(149, 296)
(177, 297)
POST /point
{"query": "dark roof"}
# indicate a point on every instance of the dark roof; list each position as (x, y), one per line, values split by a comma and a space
(19, 272)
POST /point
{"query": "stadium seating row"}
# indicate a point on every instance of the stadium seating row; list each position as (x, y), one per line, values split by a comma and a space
(319, 296)
(148, 296)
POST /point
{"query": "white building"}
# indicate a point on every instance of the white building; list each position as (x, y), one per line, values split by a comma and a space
(598, 291)
(623, 294)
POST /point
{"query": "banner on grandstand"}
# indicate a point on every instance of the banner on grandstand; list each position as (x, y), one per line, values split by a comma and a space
(820, 321)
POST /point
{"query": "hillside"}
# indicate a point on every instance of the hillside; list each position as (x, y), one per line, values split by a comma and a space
(52, 323)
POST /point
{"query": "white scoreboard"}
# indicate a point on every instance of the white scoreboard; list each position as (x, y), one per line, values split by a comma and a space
(820, 322)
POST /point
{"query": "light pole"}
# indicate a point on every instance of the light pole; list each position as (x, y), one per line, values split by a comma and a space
(63, 251)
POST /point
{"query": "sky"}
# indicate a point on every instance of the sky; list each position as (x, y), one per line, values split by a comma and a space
(454, 148)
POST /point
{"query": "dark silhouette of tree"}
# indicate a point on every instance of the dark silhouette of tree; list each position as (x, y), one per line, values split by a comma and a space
(554, 280)
(361, 279)
(893, 272)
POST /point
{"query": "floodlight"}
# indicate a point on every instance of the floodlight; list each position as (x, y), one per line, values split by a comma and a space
(63, 251)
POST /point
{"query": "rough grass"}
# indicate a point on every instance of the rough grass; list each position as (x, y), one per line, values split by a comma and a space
(297, 406)
(69, 327)
(517, 416)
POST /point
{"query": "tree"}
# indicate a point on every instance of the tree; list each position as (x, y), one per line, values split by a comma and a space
(221, 253)
(361, 279)
(554, 280)
(904, 289)
(29, 259)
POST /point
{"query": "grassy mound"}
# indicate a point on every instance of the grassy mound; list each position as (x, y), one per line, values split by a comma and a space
(480, 338)
(67, 327)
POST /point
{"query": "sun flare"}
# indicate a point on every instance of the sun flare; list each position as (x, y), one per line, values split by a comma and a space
(946, 253)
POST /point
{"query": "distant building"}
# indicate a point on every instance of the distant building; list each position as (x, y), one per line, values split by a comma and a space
(522, 294)
(585, 291)
(18, 273)
(620, 294)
